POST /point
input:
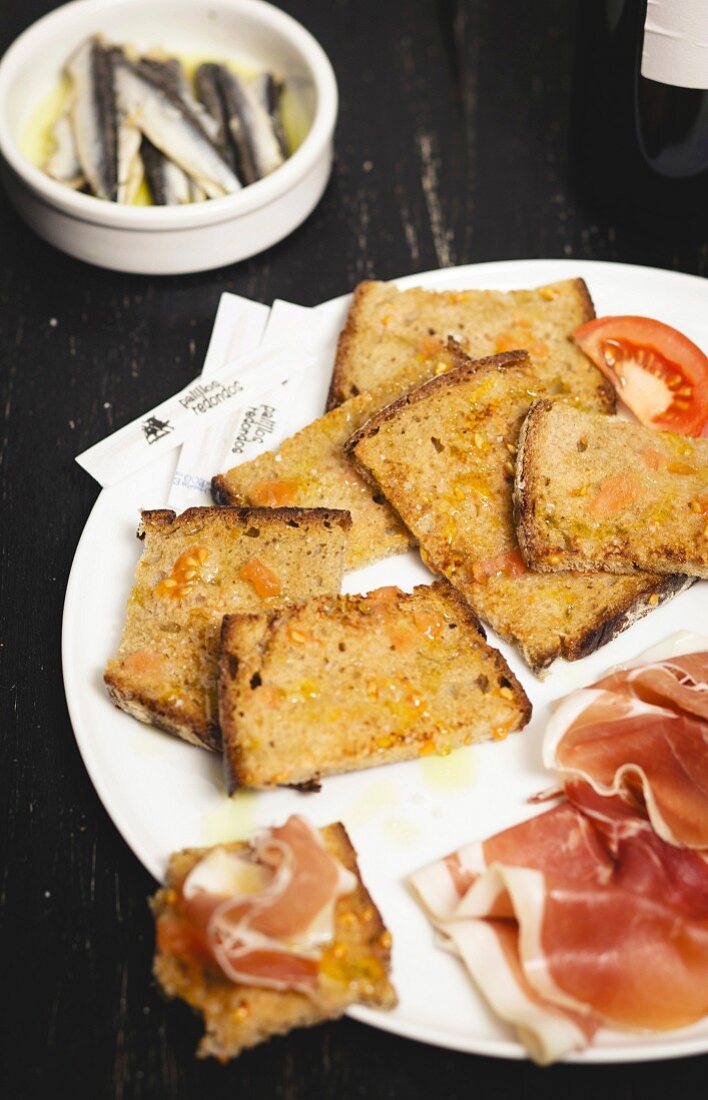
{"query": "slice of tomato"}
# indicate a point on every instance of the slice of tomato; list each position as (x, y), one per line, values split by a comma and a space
(659, 374)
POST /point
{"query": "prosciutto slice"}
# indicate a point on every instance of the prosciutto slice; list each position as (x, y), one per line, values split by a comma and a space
(595, 912)
(642, 732)
(263, 914)
(580, 916)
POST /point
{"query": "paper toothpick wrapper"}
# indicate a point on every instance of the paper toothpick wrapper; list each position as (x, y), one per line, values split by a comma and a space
(239, 326)
(263, 425)
(238, 329)
(282, 410)
(200, 405)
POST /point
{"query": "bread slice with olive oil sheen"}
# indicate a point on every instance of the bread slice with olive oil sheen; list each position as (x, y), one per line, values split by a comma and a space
(195, 568)
(444, 456)
(310, 469)
(597, 492)
(347, 682)
(387, 327)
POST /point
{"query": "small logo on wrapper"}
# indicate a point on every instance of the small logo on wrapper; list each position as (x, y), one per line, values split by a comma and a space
(154, 429)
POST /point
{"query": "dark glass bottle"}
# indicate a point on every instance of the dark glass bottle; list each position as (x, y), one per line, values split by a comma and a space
(639, 145)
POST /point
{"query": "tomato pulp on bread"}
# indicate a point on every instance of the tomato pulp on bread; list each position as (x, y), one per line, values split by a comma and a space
(659, 374)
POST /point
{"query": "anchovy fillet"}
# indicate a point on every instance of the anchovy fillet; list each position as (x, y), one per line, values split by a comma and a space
(207, 81)
(130, 165)
(240, 113)
(169, 184)
(94, 117)
(250, 128)
(172, 72)
(63, 164)
(269, 92)
(166, 121)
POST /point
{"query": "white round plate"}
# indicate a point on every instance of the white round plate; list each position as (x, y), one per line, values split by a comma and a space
(164, 794)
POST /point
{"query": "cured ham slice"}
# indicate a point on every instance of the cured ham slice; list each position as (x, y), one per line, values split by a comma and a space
(679, 682)
(559, 840)
(580, 916)
(490, 951)
(642, 732)
(263, 914)
(596, 911)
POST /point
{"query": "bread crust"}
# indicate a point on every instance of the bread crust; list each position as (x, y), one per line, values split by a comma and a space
(521, 498)
(228, 671)
(222, 493)
(624, 615)
(234, 516)
(345, 343)
(237, 1017)
(465, 369)
(140, 705)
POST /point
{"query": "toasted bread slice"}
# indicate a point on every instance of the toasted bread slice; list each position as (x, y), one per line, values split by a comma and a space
(195, 568)
(310, 470)
(385, 326)
(240, 1016)
(348, 682)
(444, 456)
(596, 492)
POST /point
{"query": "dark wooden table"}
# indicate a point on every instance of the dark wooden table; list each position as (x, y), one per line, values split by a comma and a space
(451, 148)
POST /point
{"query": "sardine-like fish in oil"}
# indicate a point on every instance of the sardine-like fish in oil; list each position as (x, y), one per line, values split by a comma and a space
(169, 185)
(250, 127)
(165, 120)
(269, 92)
(243, 121)
(208, 85)
(63, 163)
(94, 116)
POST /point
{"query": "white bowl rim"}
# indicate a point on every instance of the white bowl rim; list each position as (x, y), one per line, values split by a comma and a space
(192, 216)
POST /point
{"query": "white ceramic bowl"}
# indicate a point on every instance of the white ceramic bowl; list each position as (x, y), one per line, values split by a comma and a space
(169, 240)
